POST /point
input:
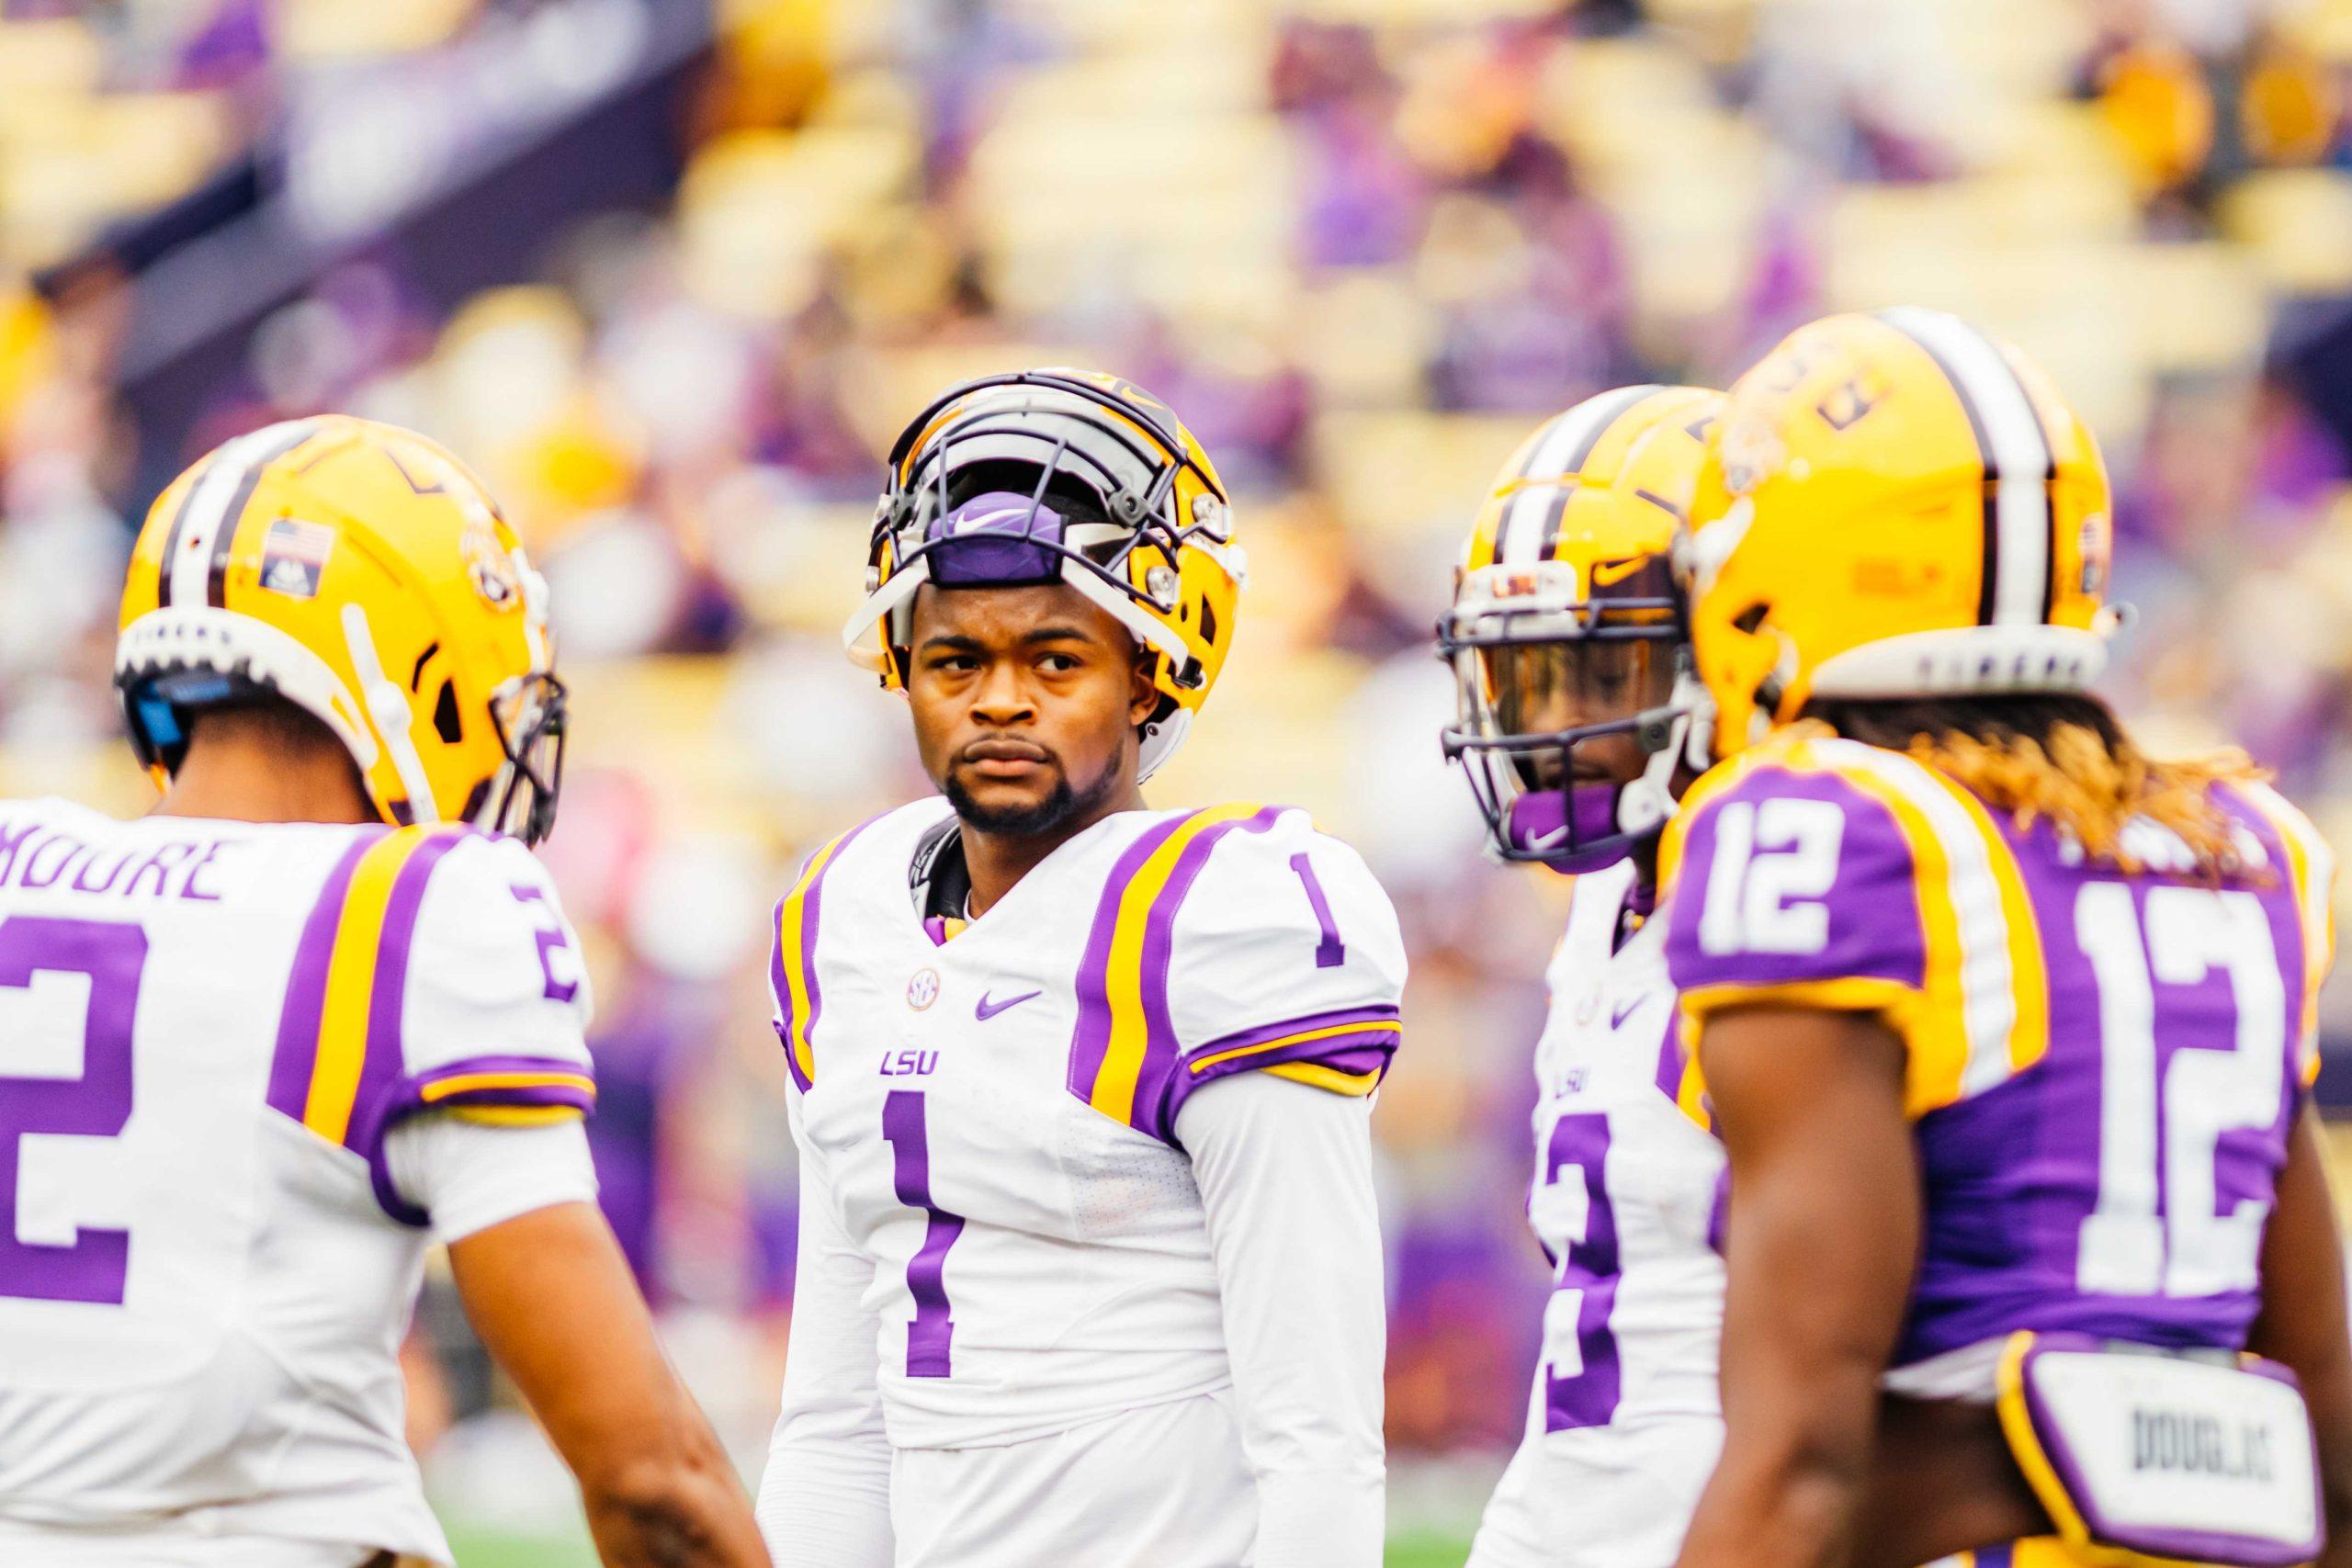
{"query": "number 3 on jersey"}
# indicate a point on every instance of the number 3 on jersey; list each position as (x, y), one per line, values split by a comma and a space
(930, 1335)
(1582, 1379)
(93, 1103)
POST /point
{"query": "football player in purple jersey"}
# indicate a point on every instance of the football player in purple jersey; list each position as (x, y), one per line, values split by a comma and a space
(2006, 1027)
(1578, 716)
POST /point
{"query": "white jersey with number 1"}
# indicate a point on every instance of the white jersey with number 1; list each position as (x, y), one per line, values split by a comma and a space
(1624, 1424)
(1012, 1303)
(224, 1048)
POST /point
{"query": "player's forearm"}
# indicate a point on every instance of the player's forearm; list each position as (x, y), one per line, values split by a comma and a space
(826, 1504)
(825, 1494)
(1811, 1109)
(686, 1511)
(1790, 1498)
(551, 1297)
(1311, 1519)
(1286, 1178)
(2304, 1318)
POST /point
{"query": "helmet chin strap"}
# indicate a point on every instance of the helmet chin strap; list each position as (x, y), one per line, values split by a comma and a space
(1645, 803)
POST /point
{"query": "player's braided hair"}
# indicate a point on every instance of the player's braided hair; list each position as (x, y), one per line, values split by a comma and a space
(2060, 757)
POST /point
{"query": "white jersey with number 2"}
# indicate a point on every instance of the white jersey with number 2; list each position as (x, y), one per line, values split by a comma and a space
(226, 1053)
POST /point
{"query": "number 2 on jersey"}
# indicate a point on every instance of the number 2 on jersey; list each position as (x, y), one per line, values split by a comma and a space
(930, 1335)
(93, 1103)
(1582, 1379)
(2159, 1228)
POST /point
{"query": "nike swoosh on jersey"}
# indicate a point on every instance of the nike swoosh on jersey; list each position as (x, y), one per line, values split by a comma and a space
(1620, 1011)
(985, 1010)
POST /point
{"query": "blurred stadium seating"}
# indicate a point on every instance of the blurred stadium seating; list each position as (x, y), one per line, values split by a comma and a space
(671, 273)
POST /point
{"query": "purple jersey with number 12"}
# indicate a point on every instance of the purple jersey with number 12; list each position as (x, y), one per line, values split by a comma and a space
(2102, 1066)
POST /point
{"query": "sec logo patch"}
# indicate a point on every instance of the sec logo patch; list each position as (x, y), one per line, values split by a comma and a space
(923, 989)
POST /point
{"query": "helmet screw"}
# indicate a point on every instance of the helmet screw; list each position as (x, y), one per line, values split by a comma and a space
(872, 579)
(1211, 514)
(1161, 583)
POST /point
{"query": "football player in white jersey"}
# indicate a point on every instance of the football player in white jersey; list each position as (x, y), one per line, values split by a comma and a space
(1577, 715)
(262, 1047)
(1090, 1269)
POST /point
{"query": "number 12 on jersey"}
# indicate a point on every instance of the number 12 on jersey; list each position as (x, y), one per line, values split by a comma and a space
(930, 1335)
(2159, 1227)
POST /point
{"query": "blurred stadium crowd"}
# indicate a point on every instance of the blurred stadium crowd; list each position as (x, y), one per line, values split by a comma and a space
(671, 273)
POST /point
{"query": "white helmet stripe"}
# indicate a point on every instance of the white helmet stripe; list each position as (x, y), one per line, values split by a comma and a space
(2017, 456)
(1563, 450)
(212, 508)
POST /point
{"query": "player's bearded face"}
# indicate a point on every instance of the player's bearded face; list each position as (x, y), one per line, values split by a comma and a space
(1026, 702)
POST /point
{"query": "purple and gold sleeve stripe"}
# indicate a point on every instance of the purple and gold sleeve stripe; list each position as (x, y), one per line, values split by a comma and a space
(1923, 916)
(2288, 835)
(1344, 1052)
(1677, 1073)
(1124, 1048)
(339, 1055)
(524, 1089)
(792, 965)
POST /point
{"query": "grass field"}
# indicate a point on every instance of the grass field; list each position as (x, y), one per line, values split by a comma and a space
(508, 1504)
(490, 1550)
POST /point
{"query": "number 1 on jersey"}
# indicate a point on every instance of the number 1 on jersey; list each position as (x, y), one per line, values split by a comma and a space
(929, 1336)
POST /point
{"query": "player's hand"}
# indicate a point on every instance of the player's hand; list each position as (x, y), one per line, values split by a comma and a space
(552, 1299)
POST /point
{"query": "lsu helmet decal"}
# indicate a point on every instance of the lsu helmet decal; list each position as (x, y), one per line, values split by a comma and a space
(1564, 629)
(1895, 505)
(1061, 476)
(360, 572)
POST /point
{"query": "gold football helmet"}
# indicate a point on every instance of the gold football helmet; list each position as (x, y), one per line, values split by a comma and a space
(1068, 476)
(360, 572)
(1565, 627)
(1895, 505)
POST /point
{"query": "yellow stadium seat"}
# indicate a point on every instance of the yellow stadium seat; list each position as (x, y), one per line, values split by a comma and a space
(2297, 226)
